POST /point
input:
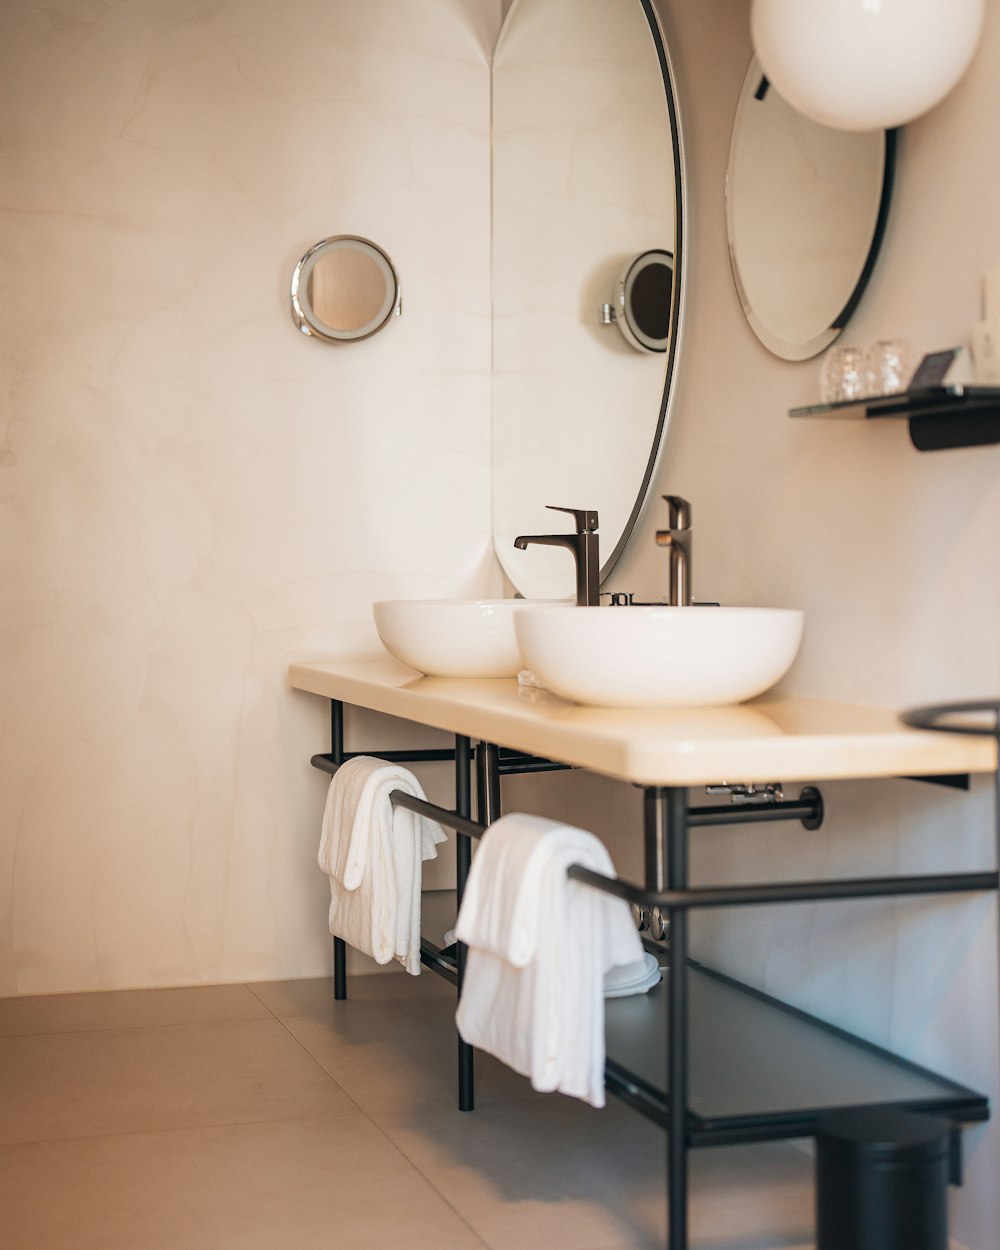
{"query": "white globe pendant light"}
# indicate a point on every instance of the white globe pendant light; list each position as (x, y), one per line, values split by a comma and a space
(865, 64)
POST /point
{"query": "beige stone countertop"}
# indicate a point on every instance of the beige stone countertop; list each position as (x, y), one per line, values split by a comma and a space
(771, 738)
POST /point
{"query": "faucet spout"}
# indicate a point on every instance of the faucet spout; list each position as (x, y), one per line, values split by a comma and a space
(678, 537)
(584, 546)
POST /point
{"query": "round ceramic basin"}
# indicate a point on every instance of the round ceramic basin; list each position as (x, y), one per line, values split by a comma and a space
(454, 637)
(658, 656)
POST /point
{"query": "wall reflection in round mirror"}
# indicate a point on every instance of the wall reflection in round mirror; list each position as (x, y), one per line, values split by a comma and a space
(344, 288)
(806, 207)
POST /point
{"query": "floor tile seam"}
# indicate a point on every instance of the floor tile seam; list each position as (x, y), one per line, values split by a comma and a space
(459, 1214)
(445, 1108)
(316, 1063)
(492, 1245)
(395, 1146)
(248, 985)
(331, 1117)
(323, 1013)
(131, 1028)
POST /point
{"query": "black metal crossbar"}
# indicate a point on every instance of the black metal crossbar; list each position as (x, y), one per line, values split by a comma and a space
(786, 892)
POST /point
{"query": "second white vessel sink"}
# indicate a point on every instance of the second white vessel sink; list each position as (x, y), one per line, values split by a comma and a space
(454, 637)
(658, 656)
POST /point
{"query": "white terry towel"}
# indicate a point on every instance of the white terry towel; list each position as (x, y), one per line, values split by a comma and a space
(372, 853)
(540, 944)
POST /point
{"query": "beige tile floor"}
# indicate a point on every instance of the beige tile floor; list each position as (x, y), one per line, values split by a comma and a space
(268, 1117)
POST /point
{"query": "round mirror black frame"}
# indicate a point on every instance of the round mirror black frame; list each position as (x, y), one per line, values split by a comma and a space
(304, 315)
(756, 87)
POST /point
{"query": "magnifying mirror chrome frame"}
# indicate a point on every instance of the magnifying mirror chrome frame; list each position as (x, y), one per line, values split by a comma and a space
(625, 317)
(304, 315)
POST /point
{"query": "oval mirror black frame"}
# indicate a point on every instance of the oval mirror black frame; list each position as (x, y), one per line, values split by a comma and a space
(522, 469)
(304, 315)
(677, 287)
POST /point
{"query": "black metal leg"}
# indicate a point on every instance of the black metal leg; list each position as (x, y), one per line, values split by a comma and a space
(339, 945)
(487, 782)
(655, 839)
(463, 861)
(339, 969)
(666, 845)
(487, 810)
(337, 730)
(996, 796)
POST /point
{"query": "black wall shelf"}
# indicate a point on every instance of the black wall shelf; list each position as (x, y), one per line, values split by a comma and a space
(939, 417)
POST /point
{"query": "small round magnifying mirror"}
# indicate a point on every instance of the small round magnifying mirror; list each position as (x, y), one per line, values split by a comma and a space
(643, 297)
(345, 288)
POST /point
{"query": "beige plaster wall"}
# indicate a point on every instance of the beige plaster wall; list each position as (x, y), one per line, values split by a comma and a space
(192, 493)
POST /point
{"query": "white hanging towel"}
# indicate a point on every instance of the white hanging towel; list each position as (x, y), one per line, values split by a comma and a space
(540, 944)
(373, 854)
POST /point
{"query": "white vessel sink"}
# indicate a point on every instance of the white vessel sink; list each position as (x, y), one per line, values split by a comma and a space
(454, 637)
(658, 656)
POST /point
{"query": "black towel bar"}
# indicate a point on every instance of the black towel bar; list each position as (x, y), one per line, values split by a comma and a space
(713, 896)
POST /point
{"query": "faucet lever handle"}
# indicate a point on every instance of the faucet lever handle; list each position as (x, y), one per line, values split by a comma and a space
(678, 512)
(586, 519)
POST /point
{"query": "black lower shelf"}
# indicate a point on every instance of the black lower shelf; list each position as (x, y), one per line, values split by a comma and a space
(761, 1069)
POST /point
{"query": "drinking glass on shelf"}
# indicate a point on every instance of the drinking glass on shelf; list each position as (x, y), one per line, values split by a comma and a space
(889, 365)
(842, 375)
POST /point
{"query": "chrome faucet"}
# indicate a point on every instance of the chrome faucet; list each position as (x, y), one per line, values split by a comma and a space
(678, 538)
(584, 546)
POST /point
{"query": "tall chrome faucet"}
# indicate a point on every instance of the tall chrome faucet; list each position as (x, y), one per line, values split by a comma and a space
(678, 538)
(584, 546)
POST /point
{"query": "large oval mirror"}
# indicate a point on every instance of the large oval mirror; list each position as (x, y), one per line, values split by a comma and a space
(806, 208)
(343, 289)
(586, 178)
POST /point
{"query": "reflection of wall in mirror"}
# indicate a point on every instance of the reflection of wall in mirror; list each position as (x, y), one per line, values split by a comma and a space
(583, 183)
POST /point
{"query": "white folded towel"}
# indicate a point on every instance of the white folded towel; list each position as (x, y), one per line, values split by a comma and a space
(372, 853)
(540, 944)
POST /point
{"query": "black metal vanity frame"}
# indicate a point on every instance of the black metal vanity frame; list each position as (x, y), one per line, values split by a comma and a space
(667, 822)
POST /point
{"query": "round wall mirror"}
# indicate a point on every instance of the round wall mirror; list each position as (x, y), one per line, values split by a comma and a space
(586, 195)
(344, 288)
(806, 207)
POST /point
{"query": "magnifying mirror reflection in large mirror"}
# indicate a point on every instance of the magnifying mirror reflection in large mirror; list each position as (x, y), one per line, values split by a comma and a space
(586, 177)
(642, 303)
(806, 208)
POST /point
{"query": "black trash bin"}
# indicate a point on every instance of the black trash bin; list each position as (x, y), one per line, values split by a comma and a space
(882, 1181)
